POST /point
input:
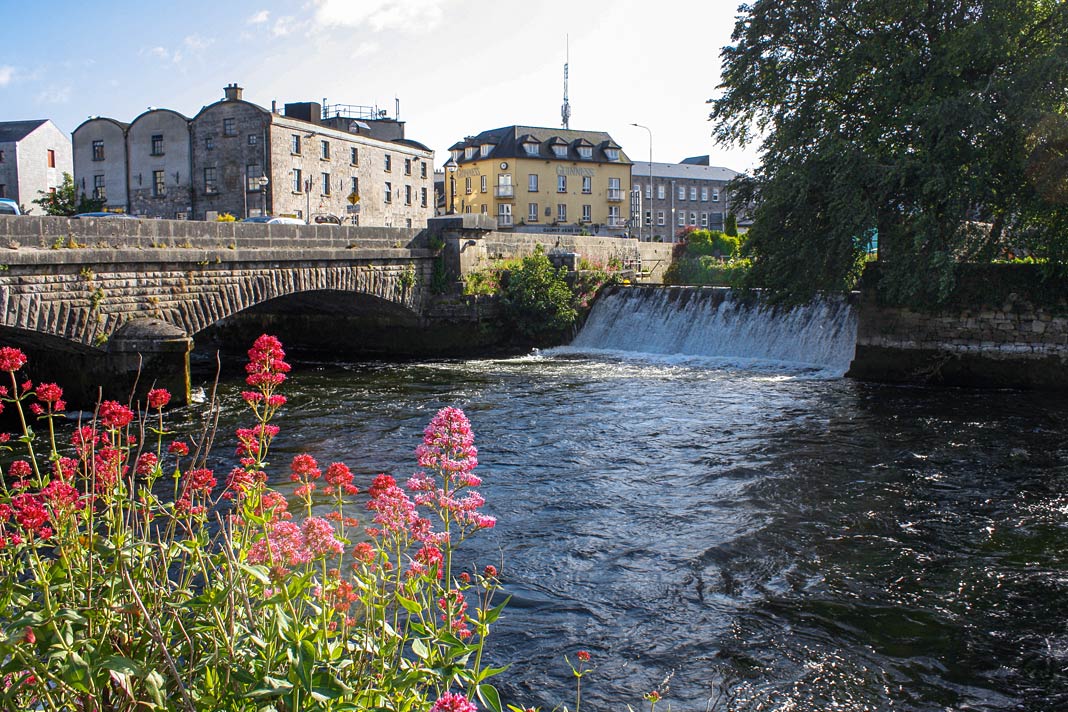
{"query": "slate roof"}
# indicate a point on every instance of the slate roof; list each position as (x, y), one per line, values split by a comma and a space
(683, 171)
(12, 131)
(507, 143)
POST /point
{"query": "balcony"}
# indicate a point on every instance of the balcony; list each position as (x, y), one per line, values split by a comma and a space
(616, 223)
(615, 195)
(504, 191)
(504, 220)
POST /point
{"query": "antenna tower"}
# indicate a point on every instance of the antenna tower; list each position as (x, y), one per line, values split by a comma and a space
(565, 110)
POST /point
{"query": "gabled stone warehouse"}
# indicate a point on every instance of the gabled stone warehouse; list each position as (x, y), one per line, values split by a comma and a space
(239, 158)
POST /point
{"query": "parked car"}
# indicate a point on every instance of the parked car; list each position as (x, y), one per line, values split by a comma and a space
(120, 216)
(274, 220)
(326, 219)
(9, 207)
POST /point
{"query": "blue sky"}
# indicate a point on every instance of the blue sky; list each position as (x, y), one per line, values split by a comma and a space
(457, 66)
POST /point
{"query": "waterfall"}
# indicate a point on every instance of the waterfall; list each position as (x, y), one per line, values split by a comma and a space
(693, 324)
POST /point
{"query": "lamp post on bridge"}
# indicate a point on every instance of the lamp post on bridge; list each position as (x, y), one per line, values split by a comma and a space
(450, 170)
(641, 220)
(263, 182)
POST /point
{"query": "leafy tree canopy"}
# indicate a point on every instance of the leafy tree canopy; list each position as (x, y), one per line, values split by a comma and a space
(942, 123)
(537, 298)
(66, 201)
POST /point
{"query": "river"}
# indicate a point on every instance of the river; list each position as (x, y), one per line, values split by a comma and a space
(759, 531)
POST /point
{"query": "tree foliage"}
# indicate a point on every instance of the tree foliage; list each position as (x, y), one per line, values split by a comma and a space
(65, 201)
(537, 298)
(921, 118)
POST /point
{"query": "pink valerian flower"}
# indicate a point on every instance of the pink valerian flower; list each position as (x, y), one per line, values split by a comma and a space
(394, 511)
(453, 702)
(304, 468)
(340, 596)
(146, 463)
(249, 439)
(453, 613)
(109, 465)
(178, 448)
(363, 552)
(339, 479)
(19, 468)
(319, 538)
(11, 359)
(379, 484)
(158, 398)
(114, 415)
(428, 559)
(283, 546)
(274, 504)
(239, 483)
(448, 447)
(266, 367)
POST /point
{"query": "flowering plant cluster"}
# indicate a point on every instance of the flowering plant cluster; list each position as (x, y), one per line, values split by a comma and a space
(134, 577)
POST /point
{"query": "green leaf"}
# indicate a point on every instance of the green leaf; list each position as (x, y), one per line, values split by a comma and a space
(420, 649)
(409, 605)
(489, 696)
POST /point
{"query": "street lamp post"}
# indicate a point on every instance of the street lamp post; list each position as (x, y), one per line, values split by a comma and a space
(264, 181)
(450, 169)
(642, 220)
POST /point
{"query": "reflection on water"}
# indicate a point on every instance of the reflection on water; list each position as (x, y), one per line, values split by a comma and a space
(788, 542)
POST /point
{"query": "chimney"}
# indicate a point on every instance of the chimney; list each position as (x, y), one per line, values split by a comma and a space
(233, 92)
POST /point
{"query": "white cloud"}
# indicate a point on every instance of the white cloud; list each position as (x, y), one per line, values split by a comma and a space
(54, 95)
(364, 49)
(283, 26)
(259, 18)
(380, 14)
(197, 43)
(7, 73)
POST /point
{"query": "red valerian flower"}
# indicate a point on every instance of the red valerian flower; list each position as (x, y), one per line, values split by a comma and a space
(303, 468)
(200, 482)
(453, 601)
(178, 448)
(158, 398)
(49, 393)
(11, 359)
(146, 463)
(339, 478)
(363, 552)
(115, 415)
(583, 656)
(30, 512)
(266, 366)
(453, 702)
(20, 468)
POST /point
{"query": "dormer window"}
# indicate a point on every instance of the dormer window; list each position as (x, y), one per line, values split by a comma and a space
(560, 150)
(456, 153)
(531, 148)
(585, 151)
(612, 153)
(469, 153)
(484, 149)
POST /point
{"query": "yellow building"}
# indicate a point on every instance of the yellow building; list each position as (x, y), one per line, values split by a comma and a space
(542, 180)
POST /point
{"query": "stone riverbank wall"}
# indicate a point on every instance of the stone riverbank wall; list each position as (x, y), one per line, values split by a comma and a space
(1003, 326)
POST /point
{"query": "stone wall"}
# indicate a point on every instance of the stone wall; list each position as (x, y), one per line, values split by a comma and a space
(1005, 326)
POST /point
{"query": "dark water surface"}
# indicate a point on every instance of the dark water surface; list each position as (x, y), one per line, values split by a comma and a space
(796, 543)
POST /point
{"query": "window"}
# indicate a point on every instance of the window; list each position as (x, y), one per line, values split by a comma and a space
(693, 193)
(388, 163)
(648, 218)
(51, 158)
(482, 185)
(253, 173)
(253, 139)
(469, 152)
(587, 213)
(613, 216)
(612, 153)
(209, 143)
(467, 185)
(389, 192)
(504, 214)
(98, 151)
(561, 184)
(660, 194)
(559, 150)
(587, 184)
(99, 190)
(682, 192)
(693, 219)
(407, 195)
(157, 144)
(422, 197)
(532, 212)
(159, 187)
(326, 184)
(660, 217)
(355, 186)
(294, 143)
(484, 150)
(422, 169)
(715, 195)
(298, 183)
(354, 156)
(484, 209)
(229, 127)
(407, 166)
(585, 151)
(704, 194)
(210, 183)
(324, 150)
(704, 219)
(648, 191)
(531, 148)
(532, 183)
(681, 221)
(561, 212)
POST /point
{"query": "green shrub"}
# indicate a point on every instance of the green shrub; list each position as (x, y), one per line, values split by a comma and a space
(537, 299)
(708, 271)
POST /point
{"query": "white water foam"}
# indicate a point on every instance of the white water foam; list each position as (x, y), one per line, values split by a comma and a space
(711, 327)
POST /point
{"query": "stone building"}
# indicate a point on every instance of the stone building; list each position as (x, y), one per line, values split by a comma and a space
(100, 162)
(684, 194)
(542, 180)
(239, 158)
(34, 155)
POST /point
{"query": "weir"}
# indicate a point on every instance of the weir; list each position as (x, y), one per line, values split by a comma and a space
(734, 328)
